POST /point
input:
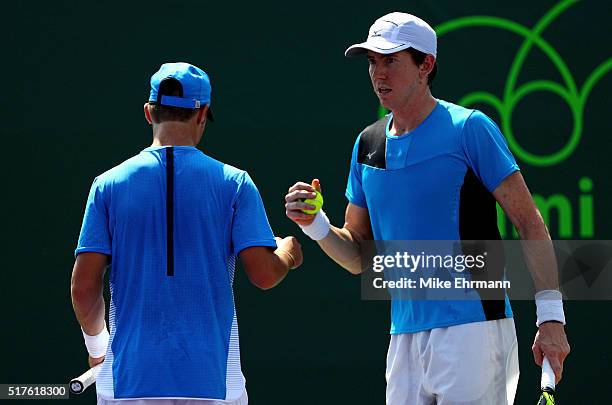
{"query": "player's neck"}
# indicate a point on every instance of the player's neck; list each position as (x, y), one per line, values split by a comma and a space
(413, 113)
(173, 134)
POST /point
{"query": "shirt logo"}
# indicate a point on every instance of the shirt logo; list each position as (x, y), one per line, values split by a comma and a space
(370, 155)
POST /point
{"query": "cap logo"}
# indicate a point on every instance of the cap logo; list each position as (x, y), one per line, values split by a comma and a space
(384, 29)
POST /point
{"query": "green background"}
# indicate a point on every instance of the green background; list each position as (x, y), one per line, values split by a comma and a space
(288, 107)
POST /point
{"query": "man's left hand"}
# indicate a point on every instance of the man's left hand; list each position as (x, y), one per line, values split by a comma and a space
(551, 341)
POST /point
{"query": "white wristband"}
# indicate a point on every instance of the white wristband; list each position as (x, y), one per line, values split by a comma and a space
(319, 228)
(96, 345)
(549, 306)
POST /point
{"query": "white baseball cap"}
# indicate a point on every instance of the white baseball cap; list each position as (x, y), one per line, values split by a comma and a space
(395, 32)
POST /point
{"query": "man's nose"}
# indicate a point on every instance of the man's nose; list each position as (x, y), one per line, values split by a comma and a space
(379, 71)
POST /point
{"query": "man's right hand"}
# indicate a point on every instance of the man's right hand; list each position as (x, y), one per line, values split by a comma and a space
(292, 247)
(294, 201)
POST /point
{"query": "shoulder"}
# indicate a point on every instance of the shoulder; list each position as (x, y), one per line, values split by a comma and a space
(375, 130)
(372, 141)
(457, 114)
(119, 172)
(234, 174)
(478, 119)
(226, 170)
(467, 120)
(214, 170)
(230, 176)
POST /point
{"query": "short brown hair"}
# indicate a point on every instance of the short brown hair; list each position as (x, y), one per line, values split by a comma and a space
(418, 58)
(161, 113)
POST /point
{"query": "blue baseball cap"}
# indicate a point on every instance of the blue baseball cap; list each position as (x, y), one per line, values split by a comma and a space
(194, 86)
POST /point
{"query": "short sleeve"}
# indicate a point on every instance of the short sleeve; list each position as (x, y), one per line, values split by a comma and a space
(354, 190)
(250, 226)
(95, 235)
(487, 151)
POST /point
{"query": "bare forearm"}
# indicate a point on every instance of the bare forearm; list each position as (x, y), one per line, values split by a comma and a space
(540, 257)
(86, 287)
(89, 310)
(267, 270)
(265, 267)
(515, 198)
(342, 247)
(281, 263)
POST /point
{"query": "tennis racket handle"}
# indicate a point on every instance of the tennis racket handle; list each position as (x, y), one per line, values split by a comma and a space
(548, 376)
(80, 384)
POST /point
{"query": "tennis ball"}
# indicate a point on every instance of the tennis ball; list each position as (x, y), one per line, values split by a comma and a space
(317, 202)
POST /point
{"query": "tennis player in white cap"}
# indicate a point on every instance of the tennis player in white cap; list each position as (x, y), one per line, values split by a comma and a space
(432, 170)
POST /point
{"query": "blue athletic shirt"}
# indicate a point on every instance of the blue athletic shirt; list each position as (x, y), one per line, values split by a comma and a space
(433, 183)
(172, 319)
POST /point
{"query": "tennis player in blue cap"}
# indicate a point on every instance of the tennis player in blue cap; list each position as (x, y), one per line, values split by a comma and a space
(169, 224)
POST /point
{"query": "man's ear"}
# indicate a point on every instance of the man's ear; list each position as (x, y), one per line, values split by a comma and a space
(427, 65)
(202, 114)
(147, 113)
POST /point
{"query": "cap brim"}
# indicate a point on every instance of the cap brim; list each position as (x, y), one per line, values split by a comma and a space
(376, 44)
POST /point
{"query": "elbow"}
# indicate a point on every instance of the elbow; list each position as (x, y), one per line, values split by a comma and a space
(264, 283)
(267, 272)
(531, 227)
(355, 271)
(354, 267)
(533, 231)
(266, 286)
(262, 278)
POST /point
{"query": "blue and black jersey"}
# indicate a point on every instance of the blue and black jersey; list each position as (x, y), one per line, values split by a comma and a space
(433, 183)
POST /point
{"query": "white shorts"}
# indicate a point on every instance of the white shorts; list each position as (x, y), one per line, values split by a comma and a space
(470, 364)
(243, 400)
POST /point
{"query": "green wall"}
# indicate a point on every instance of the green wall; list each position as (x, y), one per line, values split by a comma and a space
(288, 107)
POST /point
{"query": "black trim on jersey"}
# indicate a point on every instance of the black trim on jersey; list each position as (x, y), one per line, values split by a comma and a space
(373, 145)
(479, 233)
(170, 210)
(477, 210)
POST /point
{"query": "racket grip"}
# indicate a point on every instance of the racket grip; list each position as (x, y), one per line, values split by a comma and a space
(548, 376)
(80, 384)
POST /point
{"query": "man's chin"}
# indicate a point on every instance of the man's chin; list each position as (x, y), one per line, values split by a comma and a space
(385, 103)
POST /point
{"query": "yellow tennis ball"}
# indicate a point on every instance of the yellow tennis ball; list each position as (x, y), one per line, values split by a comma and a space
(317, 202)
